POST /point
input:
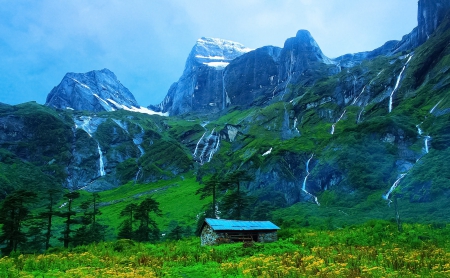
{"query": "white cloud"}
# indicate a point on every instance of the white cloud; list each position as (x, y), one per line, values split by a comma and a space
(146, 43)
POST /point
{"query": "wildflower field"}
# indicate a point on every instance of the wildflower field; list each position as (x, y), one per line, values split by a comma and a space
(375, 249)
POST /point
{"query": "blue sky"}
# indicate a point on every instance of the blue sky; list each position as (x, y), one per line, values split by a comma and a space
(146, 43)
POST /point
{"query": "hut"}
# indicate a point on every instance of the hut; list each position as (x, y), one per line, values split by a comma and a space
(221, 230)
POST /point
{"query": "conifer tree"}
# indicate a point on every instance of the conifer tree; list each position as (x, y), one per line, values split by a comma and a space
(67, 239)
(52, 194)
(236, 202)
(148, 230)
(90, 230)
(13, 212)
(210, 189)
(126, 228)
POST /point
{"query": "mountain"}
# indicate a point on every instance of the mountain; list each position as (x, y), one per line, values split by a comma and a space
(336, 138)
(200, 88)
(95, 91)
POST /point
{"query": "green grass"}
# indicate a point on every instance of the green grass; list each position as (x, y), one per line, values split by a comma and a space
(374, 249)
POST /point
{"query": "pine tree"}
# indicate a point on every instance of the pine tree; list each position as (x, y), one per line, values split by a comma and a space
(67, 239)
(148, 230)
(210, 189)
(52, 195)
(13, 212)
(177, 233)
(237, 201)
(90, 230)
(126, 228)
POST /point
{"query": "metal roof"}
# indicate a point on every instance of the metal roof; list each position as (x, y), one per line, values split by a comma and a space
(239, 225)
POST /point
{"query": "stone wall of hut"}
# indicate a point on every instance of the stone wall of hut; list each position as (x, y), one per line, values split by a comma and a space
(267, 237)
(209, 237)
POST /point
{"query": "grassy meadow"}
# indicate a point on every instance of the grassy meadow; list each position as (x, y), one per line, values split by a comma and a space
(374, 249)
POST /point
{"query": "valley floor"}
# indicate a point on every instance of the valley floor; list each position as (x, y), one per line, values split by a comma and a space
(374, 249)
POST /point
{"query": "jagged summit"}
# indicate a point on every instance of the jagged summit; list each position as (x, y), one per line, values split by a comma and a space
(97, 90)
(215, 52)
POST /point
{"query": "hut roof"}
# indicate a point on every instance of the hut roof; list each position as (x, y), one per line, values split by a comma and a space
(239, 225)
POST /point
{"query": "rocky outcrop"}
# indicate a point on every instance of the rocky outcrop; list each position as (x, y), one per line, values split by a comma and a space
(94, 91)
(351, 60)
(429, 17)
(252, 76)
(299, 54)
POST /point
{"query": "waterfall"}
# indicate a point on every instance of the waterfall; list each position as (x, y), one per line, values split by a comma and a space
(359, 116)
(432, 109)
(386, 196)
(100, 160)
(295, 125)
(137, 175)
(289, 74)
(306, 178)
(354, 101)
(196, 147)
(426, 143)
(334, 125)
(223, 91)
(138, 141)
(425, 138)
(213, 151)
(205, 148)
(397, 84)
(268, 152)
(84, 125)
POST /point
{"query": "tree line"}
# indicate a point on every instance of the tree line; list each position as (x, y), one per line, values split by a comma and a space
(28, 226)
(24, 231)
(230, 200)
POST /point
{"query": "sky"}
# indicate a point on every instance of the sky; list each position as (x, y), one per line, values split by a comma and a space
(146, 42)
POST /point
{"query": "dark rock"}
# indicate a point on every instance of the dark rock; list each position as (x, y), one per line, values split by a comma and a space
(252, 76)
(430, 15)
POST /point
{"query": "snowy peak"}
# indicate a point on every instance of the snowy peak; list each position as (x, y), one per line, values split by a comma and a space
(215, 52)
(97, 90)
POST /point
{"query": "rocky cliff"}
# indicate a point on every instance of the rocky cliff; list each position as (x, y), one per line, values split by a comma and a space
(200, 88)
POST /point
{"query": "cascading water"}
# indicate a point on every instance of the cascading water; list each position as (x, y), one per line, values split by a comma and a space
(196, 147)
(354, 101)
(386, 196)
(214, 150)
(207, 146)
(306, 178)
(397, 84)
(223, 91)
(137, 175)
(396, 183)
(268, 152)
(334, 125)
(426, 138)
(434, 107)
(90, 128)
(291, 62)
(100, 161)
(295, 125)
(359, 116)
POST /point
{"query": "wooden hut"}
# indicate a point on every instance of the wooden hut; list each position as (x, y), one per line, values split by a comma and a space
(221, 230)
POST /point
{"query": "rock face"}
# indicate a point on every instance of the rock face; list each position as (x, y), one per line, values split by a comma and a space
(430, 15)
(200, 88)
(95, 91)
(220, 73)
(299, 54)
(251, 76)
